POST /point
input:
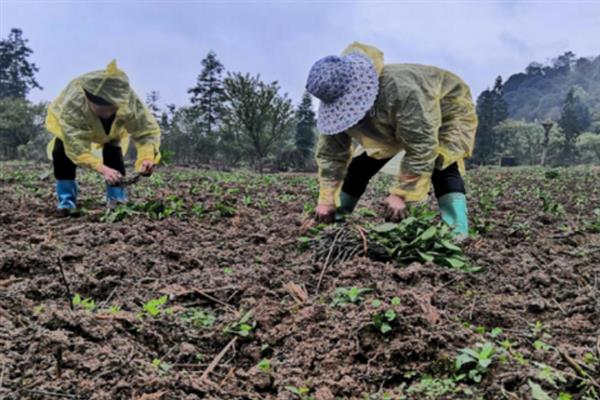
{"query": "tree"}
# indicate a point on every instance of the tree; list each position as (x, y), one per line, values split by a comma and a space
(257, 118)
(17, 74)
(525, 141)
(588, 146)
(208, 95)
(305, 126)
(491, 110)
(575, 119)
(20, 123)
(534, 68)
(564, 61)
(152, 103)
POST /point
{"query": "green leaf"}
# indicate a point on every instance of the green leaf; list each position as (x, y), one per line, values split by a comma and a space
(425, 256)
(396, 301)
(472, 353)
(496, 332)
(390, 315)
(463, 359)
(303, 390)
(293, 389)
(487, 350)
(455, 262)
(264, 365)
(537, 393)
(383, 228)
(385, 328)
(428, 234)
(450, 246)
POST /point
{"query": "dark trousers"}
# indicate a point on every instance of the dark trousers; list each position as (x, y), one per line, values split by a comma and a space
(64, 168)
(363, 168)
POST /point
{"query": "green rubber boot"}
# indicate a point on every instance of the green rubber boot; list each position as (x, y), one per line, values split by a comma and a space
(453, 207)
(347, 205)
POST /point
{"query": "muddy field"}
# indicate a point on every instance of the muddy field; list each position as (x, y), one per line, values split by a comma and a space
(205, 287)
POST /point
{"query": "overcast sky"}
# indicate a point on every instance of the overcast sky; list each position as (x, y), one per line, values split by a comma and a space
(160, 44)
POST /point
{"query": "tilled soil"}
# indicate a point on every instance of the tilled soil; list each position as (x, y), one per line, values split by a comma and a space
(231, 247)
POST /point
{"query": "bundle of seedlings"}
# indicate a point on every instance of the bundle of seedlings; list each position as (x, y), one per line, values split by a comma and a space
(419, 237)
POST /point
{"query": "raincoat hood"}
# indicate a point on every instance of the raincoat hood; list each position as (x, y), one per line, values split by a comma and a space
(372, 52)
(111, 84)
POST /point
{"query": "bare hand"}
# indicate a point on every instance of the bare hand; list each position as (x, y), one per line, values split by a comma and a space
(325, 213)
(110, 175)
(396, 208)
(147, 168)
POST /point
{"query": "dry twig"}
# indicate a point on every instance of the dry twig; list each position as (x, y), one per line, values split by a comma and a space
(217, 359)
(66, 283)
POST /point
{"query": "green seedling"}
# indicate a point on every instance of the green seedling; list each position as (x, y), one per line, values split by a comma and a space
(113, 309)
(433, 388)
(198, 318)
(199, 210)
(590, 359)
(155, 306)
(538, 330)
(39, 309)
(594, 224)
(539, 345)
(538, 393)
(162, 366)
(225, 209)
(118, 213)
(157, 180)
(549, 206)
(86, 304)
(247, 200)
(264, 365)
(344, 296)
(474, 364)
(243, 327)
(301, 392)
(550, 375)
(309, 208)
(383, 320)
(287, 198)
(496, 332)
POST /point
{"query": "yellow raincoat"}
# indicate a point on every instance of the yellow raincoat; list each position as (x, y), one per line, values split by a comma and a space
(423, 110)
(70, 119)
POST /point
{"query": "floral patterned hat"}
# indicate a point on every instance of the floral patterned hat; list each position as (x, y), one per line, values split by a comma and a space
(347, 88)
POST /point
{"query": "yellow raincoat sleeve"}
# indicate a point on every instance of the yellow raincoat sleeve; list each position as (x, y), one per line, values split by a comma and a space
(418, 117)
(333, 155)
(145, 132)
(78, 146)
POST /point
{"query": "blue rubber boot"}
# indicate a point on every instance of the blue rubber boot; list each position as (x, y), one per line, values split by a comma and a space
(453, 207)
(66, 192)
(347, 205)
(115, 195)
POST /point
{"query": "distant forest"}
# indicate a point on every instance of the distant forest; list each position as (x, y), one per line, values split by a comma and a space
(564, 94)
(540, 91)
